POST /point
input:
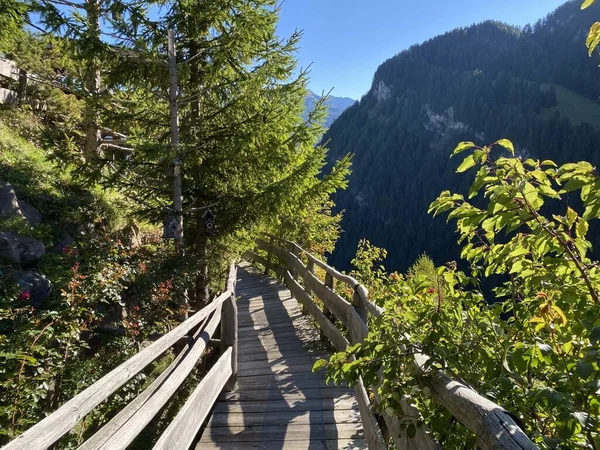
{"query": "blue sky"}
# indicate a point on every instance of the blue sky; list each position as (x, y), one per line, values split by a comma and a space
(346, 40)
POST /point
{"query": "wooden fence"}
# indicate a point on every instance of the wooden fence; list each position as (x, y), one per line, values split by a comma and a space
(128, 423)
(493, 426)
(10, 72)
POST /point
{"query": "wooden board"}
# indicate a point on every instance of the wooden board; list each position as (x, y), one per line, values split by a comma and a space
(320, 404)
(7, 97)
(276, 354)
(289, 396)
(281, 418)
(182, 431)
(330, 444)
(8, 69)
(278, 402)
(267, 433)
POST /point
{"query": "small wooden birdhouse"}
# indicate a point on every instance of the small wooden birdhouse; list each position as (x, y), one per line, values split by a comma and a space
(170, 227)
(209, 222)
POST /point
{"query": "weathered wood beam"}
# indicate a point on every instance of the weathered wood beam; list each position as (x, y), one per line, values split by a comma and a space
(183, 430)
(46, 432)
(125, 426)
(229, 327)
(493, 427)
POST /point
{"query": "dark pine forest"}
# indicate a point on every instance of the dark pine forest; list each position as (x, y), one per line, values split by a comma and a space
(479, 83)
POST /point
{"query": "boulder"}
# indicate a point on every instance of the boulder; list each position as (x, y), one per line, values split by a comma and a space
(11, 206)
(22, 250)
(65, 241)
(36, 284)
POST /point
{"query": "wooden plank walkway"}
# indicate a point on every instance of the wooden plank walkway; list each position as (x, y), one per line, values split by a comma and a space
(278, 403)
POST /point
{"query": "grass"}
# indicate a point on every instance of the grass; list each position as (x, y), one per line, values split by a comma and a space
(577, 108)
(50, 185)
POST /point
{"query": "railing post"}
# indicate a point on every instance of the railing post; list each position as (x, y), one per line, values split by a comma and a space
(229, 328)
(329, 282)
(311, 268)
(269, 256)
(359, 301)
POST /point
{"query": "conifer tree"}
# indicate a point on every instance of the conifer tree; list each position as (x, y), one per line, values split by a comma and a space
(89, 25)
(246, 152)
(12, 15)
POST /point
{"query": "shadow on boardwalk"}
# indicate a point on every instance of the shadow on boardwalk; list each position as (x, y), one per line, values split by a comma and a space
(278, 403)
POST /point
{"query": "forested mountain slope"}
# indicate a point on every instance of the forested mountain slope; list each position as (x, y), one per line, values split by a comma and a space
(536, 86)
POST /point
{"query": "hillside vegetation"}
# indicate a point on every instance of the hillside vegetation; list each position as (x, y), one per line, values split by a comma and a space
(121, 210)
(573, 106)
(536, 85)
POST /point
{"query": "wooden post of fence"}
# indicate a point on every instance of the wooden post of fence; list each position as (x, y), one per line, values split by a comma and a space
(295, 251)
(22, 90)
(229, 328)
(269, 256)
(311, 268)
(359, 301)
(329, 282)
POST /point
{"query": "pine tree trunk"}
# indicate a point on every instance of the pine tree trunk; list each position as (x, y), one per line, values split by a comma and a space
(93, 81)
(177, 184)
(201, 294)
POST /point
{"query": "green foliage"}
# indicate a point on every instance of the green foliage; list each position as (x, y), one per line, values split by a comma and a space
(246, 151)
(12, 14)
(52, 187)
(535, 351)
(107, 297)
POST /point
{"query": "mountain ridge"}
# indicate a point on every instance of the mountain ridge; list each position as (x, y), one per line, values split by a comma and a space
(336, 106)
(483, 82)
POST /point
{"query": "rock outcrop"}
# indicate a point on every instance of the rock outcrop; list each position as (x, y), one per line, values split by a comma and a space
(36, 284)
(23, 250)
(11, 206)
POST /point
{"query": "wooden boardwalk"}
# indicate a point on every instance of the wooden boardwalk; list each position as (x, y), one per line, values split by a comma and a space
(278, 403)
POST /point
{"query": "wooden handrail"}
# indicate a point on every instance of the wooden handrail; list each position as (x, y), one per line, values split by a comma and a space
(358, 288)
(124, 427)
(493, 426)
(183, 429)
(342, 309)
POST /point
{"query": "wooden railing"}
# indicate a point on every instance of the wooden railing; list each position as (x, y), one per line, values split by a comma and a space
(493, 426)
(129, 422)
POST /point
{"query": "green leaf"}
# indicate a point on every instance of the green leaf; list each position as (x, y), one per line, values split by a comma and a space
(517, 266)
(466, 164)
(319, 364)
(507, 145)
(462, 147)
(571, 217)
(584, 369)
(592, 211)
(587, 4)
(531, 195)
(595, 335)
(548, 162)
(518, 252)
(479, 181)
(548, 191)
(581, 228)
